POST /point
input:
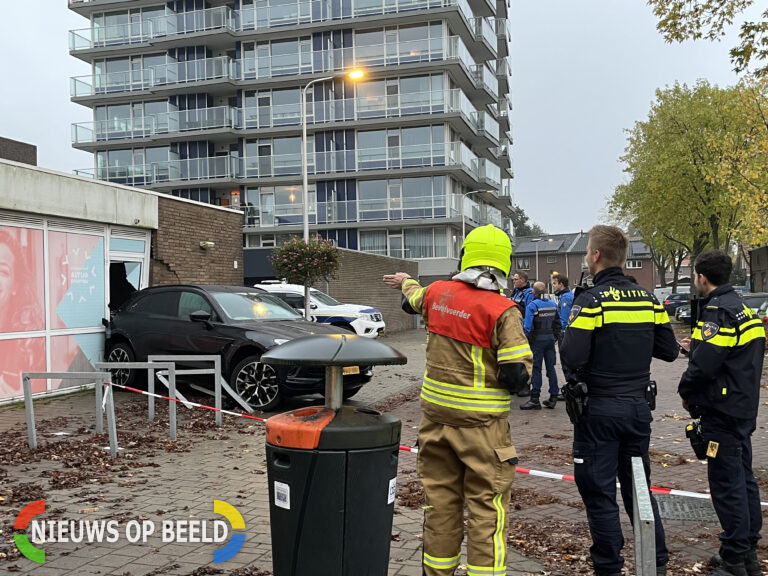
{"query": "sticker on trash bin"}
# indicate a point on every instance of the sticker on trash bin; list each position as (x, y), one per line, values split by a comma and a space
(282, 495)
(392, 490)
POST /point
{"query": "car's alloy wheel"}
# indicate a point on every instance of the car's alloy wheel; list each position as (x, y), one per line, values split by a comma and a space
(121, 353)
(257, 384)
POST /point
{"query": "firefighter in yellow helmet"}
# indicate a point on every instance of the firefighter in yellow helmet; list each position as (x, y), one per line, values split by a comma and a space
(477, 356)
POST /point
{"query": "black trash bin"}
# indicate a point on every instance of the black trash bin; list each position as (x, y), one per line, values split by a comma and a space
(332, 470)
(332, 479)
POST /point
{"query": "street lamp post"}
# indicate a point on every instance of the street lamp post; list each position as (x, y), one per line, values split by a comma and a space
(536, 242)
(352, 75)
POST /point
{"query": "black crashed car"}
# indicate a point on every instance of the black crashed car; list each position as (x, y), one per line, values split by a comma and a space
(236, 322)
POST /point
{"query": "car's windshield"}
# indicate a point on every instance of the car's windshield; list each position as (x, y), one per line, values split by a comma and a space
(240, 306)
(323, 298)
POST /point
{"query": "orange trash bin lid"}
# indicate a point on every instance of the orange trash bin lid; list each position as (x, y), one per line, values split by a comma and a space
(299, 428)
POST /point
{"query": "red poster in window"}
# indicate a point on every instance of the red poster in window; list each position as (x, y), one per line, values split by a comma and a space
(21, 280)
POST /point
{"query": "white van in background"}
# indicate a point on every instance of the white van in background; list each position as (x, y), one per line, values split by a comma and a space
(362, 320)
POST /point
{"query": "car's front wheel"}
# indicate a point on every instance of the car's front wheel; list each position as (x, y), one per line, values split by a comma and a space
(122, 352)
(349, 392)
(256, 383)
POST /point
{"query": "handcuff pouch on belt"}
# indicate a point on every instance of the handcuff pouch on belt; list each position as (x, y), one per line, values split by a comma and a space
(699, 445)
(575, 393)
(650, 394)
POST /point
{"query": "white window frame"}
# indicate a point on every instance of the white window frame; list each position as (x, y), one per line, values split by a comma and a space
(634, 264)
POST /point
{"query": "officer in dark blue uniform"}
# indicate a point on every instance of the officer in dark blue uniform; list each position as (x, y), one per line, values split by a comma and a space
(523, 293)
(564, 304)
(542, 327)
(522, 296)
(615, 328)
(722, 387)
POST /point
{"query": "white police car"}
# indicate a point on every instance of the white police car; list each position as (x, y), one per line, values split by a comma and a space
(362, 320)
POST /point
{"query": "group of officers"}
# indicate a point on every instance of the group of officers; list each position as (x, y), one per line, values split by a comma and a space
(482, 350)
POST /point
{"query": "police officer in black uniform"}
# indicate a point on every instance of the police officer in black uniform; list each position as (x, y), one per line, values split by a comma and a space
(722, 387)
(615, 328)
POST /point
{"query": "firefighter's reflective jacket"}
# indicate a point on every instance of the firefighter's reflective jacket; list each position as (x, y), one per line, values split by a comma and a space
(472, 332)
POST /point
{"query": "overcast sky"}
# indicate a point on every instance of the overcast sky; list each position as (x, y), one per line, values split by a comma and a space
(583, 71)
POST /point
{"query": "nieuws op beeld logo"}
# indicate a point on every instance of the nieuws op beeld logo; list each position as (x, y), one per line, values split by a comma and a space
(89, 531)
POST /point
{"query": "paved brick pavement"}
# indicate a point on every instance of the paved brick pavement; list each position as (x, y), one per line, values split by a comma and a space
(180, 481)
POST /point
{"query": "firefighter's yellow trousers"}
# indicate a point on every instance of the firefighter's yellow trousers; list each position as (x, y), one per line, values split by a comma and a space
(466, 466)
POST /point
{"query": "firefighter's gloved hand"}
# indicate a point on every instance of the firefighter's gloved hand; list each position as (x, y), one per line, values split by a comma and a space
(513, 376)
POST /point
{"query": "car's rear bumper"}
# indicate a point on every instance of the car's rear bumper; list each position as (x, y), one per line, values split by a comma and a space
(311, 379)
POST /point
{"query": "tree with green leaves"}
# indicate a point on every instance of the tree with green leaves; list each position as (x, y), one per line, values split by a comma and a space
(305, 263)
(681, 20)
(520, 223)
(674, 195)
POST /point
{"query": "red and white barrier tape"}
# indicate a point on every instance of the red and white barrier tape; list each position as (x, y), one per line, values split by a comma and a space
(195, 404)
(519, 470)
(569, 478)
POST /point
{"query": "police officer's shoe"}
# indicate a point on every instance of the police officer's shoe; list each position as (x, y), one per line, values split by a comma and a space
(532, 404)
(661, 570)
(752, 564)
(551, 403)
(730, 565)
(560, 397)
(526, 391)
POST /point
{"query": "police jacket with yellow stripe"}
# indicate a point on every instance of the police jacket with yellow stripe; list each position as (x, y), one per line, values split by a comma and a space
(614, 329)
(472, 334)
(727, 348)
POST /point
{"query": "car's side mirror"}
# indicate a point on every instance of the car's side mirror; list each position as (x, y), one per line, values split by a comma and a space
(200, 316)
(312, 306)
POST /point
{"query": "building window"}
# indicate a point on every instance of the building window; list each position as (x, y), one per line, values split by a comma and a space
(634, 264)
(523, 263)
(551, 259)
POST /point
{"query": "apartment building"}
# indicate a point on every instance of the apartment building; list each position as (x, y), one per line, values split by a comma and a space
(202, 100)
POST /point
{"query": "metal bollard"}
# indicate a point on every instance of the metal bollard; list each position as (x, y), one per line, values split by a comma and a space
(643, 522)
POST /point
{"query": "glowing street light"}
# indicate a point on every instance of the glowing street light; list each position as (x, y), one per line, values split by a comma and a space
(355, 74)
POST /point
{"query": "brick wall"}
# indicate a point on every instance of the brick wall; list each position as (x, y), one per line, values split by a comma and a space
(18, 151)
(358, 281)
(176, 255)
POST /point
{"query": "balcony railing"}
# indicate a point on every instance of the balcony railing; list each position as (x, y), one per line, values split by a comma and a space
(280, 165)
(485, 78)
(294, 13)
(484, 31)
(264, 117)
(346, 211)
(323, 61)
(371, 210)
(195, 21)
(486, 123)
(218, 167)
(248, 19)
(160, 75)
(154, 125)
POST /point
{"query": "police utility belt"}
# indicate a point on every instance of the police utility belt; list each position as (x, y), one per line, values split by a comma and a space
(577, 395)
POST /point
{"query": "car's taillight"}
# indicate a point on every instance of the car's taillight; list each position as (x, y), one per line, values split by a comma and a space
(765, 319)
(666, 302)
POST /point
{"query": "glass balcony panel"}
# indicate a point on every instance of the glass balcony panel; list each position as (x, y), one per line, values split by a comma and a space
(487, 32)
(456, 49)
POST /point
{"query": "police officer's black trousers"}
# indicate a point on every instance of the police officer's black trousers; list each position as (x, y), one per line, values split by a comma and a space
(610, 432)
(735, 494)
